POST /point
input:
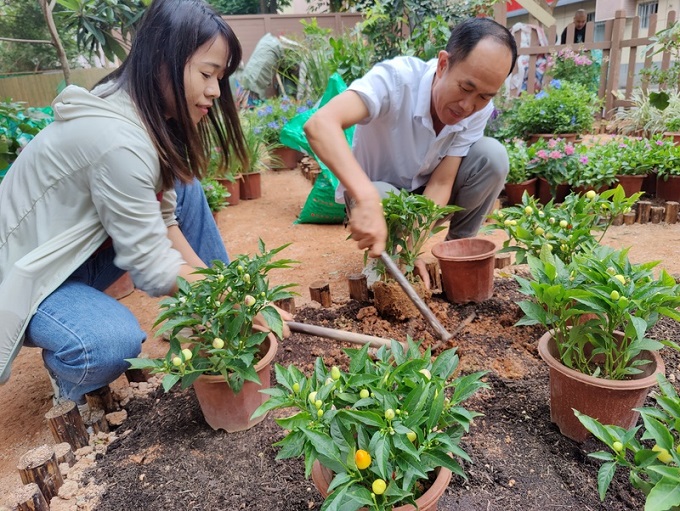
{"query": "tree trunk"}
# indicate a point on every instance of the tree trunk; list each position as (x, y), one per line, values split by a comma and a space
(61, 53)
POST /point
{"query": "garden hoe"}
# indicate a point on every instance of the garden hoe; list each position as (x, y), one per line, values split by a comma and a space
(397, 275)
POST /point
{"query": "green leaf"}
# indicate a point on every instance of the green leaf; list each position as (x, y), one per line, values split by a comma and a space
(604, 478)
(169, 381)
(664, 495)
(659, 100)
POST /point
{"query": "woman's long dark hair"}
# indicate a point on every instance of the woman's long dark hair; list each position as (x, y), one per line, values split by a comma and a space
(170, 33)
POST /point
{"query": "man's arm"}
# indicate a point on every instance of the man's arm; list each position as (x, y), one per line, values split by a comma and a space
(441, 181)
(325, 134)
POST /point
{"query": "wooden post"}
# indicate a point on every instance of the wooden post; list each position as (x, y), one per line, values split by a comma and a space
(287, 304)
(656, 214)
(629, 218)
(39, 466)
(618, 220)
(320, 292)
(644, 209)
(615, 51)
(96, 420)
(30, 498)
(502, 260)
(672, 209)
(435, 274)
(101, 399)
(358, 287)
(137, 375)
(64, 454)
(67, 425)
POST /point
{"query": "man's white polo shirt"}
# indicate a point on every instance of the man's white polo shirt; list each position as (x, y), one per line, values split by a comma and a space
(397, 143)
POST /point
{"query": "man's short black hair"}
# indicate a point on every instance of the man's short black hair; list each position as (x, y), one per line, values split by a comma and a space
(466, 35)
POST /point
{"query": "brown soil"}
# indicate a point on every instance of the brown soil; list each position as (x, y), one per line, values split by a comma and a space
(520, 459)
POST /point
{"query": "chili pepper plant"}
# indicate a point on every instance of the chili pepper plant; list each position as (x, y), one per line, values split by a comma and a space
(567, 228)
(381, 426)
(220, 310)
(411, 220)
(651, 458)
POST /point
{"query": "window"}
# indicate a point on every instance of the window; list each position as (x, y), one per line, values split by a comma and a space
(598, 35)
(590, 16)
(645, 10)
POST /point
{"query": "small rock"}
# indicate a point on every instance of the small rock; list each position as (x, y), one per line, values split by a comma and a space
(115, 419)
(84, 451)
(59, 504)
(68, 490)
(64, 468)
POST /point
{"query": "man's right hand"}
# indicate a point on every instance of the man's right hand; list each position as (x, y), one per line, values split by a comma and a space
(368, 227)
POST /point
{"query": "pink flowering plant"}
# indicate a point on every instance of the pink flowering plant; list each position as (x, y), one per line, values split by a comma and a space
(554, 160)
(566, 229)
(594, 170)
(574, 66)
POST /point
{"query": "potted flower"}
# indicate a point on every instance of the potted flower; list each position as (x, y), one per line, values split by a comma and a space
(553, 161)
(593, 171)
(226, 356)
(269, 118)
(260, 159)
(411, 220)
(576, 67)
(651, 458)
(215, 194)
(562, 108)
(383, 434)
(226, 173)
(598, 309)
(519, 178)
(568, 229)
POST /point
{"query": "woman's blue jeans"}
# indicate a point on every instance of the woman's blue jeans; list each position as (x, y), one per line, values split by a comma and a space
(85, 334)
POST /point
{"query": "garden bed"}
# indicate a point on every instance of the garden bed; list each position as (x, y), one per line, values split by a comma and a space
(171, 459)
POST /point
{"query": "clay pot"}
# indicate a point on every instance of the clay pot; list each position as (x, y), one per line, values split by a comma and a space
(285, 158)
(649, 183)
(631, 184)
(251, 186)
(545, 194)
(674, 135)
(609, 401)
(222, 409)
(668, 189)
(322, 478)
(514, 191)
(233, 187)
(467, 268)
(568, 137)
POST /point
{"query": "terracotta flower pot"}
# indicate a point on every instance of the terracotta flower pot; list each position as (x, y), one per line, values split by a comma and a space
(545, 194)
(631, 184)
(251, 186)
(514, 191)
(649, 183)
(231, 412)
(674, 135)
(668, 189)
(609, 401)
(467, 268)
(233, 187)
(322, 478)
(285, 158)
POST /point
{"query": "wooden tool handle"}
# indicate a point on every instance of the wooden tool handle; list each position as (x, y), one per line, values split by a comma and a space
(338, 335)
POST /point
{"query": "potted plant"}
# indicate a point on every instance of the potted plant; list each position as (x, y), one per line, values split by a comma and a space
(592, 171)
(226, 356)
(568, 229)
(519, 179)
(260, 159)
(562, 108)
(268, 120)
(651, 458)
(215, 194)
(226, 173)
(553, 161)
(377, 435)
(575, 67)
(411, 220)
(667, 165)
(597, 309)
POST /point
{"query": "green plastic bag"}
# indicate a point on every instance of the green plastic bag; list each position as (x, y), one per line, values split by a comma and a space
(320, 206)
